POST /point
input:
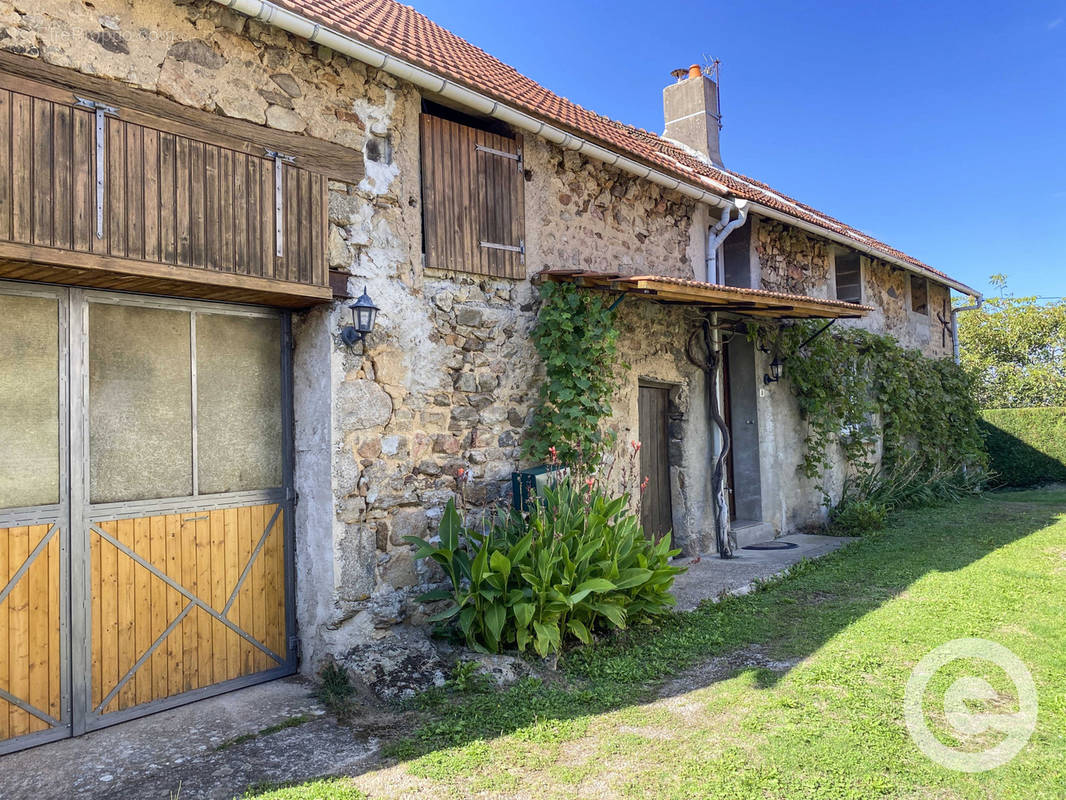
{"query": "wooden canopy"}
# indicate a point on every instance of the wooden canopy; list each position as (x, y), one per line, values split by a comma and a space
(749, 302)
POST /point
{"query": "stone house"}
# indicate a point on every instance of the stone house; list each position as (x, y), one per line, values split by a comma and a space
(202, 485)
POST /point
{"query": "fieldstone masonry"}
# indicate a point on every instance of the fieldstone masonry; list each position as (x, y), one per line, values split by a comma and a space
(793, 261)
(434, 404)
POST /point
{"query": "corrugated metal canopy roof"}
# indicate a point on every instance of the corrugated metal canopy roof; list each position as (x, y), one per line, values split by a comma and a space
(749, 302)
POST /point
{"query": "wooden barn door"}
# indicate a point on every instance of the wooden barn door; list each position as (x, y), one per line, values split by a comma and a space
(34, 528)
(145, 506)
(656, 509)
(181, 505)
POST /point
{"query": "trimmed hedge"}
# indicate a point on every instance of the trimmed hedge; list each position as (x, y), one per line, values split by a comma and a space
(1026, 446)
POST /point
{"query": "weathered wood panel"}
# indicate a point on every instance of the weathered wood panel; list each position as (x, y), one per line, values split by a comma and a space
(179, 199)
(30, 626)
(656, 510)
(473, 198)
(185, 601)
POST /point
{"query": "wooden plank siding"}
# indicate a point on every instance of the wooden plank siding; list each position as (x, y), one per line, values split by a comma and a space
(180, 207)
(30, 619)
(206, 554)
(471, 197)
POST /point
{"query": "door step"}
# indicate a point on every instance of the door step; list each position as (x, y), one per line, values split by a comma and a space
(752, 532)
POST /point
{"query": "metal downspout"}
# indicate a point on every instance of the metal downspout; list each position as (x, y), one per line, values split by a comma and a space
(718, 233)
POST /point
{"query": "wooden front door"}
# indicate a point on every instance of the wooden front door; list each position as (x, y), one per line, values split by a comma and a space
(145, 519)
(656, 510)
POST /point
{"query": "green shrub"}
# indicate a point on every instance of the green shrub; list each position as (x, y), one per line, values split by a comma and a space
(1026, 446)
(867, 498)
(858, 517)
(578, 561)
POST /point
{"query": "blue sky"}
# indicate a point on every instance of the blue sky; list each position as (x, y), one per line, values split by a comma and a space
(939, 127)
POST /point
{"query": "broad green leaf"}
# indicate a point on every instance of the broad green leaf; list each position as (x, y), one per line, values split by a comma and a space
(596, 585)
(435, 595)
(495, 618)
(579, 630)
(451, 526)
(523, 613)
(500, 563)
(635, 576)
(447, 613)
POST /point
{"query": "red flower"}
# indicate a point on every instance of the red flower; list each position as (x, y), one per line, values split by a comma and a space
(636, 446)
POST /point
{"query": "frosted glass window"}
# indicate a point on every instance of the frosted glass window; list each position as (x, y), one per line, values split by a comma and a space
(140, 403)
(29, 401)
(238, 408)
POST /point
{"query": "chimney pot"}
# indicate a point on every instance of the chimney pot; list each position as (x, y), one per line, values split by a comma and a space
(695, 72)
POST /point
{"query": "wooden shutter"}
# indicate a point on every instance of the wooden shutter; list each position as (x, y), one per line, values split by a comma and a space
(473, 203)
(173, 196)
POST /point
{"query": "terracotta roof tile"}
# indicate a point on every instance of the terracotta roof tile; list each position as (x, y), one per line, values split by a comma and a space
(405, 33)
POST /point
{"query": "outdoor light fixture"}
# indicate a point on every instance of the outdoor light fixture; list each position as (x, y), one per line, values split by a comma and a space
(364, 313)
(775, 371)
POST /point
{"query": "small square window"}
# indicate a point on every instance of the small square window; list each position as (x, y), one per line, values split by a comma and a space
(919, 295)
(848, 277)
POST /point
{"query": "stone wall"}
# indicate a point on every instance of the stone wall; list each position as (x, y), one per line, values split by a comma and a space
(793, 261)
(583, 214)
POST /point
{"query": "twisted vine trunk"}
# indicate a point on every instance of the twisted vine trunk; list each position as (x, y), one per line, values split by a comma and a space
(708, 361)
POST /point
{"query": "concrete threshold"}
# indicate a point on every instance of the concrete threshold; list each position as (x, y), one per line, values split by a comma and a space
(711, 577)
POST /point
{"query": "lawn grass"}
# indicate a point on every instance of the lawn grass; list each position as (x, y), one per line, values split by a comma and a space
(819, 712)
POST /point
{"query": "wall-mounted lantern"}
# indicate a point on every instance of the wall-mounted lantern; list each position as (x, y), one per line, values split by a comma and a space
(776, 367)
(364, 313)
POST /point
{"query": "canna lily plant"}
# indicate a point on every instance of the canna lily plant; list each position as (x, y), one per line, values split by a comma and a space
(575, 563)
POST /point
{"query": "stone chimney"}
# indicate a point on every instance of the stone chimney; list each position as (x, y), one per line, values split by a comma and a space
(690, 108)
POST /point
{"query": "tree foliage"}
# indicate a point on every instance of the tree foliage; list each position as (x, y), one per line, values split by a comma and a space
(1015, 350)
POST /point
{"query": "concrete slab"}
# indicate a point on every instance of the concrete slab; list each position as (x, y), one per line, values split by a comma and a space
(711, 577)
(155, 756)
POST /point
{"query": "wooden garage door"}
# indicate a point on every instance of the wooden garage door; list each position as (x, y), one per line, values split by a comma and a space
(34, 647)
(145, 533)
(183, 499)
(182, 602)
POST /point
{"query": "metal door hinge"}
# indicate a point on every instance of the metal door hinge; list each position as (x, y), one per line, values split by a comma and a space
(520, 248)
(280, 159)
(100, 141)
(294, 647)
(517, 156)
